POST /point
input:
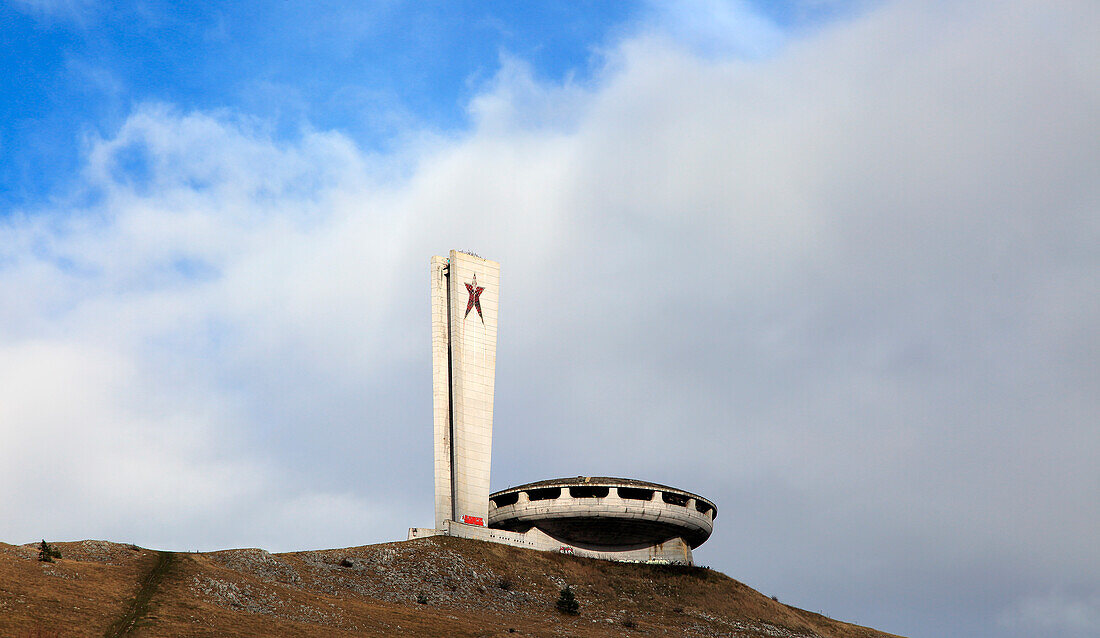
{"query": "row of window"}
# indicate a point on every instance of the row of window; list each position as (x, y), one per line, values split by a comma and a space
(598, 491)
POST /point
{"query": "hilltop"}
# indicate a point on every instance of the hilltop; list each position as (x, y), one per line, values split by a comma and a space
(431, 587)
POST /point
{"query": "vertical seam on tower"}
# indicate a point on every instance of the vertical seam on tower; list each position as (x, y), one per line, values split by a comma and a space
(450, 393)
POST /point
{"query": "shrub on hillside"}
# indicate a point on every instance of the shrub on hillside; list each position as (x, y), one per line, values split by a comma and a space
(567, 602)
(47, 552)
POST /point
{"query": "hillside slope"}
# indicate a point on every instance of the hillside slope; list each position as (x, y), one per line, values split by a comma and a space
(427, 587)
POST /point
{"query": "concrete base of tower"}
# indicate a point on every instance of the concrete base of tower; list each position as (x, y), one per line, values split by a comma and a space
(674, 551)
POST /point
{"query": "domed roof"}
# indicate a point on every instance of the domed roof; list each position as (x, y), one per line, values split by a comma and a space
(604, 512)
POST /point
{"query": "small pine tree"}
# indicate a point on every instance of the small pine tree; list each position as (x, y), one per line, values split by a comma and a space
(567, 602)
(46, 552)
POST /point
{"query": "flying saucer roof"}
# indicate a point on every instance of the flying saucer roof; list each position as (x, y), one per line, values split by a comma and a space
(604, 512)
(602, 481)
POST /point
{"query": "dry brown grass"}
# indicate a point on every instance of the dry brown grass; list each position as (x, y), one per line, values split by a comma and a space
(77, 595)
(373, 590)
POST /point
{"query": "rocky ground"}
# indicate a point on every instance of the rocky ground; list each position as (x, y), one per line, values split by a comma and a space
(428, 587)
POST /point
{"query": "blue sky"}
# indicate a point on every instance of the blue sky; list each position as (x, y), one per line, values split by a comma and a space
(78, 70)
(830, 264)
(74, 69)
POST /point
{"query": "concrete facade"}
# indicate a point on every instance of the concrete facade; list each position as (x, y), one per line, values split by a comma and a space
(674, 551)
(594, 517)
(604, 514)
(465, 306)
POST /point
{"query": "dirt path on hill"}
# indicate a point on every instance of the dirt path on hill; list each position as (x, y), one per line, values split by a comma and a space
(140, 605)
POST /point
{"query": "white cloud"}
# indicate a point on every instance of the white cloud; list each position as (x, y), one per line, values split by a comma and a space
(715, 28)
(90, 445)
(1055, 614)
(78, 11)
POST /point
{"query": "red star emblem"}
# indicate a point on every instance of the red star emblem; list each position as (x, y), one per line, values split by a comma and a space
(475, 298)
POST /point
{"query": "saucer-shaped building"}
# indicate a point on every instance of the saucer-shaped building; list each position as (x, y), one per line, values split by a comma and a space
(605, 514)
(598, 517)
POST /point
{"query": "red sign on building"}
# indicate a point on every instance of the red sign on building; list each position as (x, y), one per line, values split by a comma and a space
(473, 520)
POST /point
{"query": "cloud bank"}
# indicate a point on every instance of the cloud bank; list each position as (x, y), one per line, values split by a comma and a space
(849, 291)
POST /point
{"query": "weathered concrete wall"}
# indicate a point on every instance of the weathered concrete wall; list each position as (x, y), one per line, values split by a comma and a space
(441, 391)
(465, 306)
(674, 551)
(609, 519)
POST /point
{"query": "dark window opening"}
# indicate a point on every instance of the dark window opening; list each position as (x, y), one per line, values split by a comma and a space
(674, 499)
(702, 507)
(587, 491)
(635, 493)
(544, 493)
(506, 499)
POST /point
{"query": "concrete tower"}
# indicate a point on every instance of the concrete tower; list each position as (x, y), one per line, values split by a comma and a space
(465, 297)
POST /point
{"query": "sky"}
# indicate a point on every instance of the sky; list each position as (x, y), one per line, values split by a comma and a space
(833, 265)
